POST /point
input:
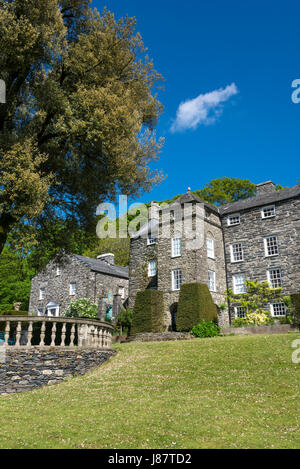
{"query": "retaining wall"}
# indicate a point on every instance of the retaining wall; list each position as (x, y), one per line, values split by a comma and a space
(23, 370)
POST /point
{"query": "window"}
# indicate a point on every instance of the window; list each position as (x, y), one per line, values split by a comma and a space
(122, 292)
(152, 268)
(233, 220)
(271, 246)
(210, 245)
(72, 289)
(274, 278)
(268, 212)
(207, 215)
(212, 280)
(58, 271)
(40, 312)
(237, 253)
(176, 279)
(52, 309)
(239, 312)
(42, 293)
(278, 309)
(151, 241)
(176, 247)
(239, 286)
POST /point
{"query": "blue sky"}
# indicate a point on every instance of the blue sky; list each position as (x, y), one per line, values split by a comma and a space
(249, 50)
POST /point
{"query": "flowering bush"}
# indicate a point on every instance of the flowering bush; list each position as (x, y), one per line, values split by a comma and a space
(82, 308)
(258, 318)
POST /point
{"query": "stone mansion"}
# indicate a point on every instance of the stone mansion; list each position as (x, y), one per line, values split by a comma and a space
(256, 239)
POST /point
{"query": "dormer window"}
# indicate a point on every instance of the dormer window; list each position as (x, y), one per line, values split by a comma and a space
(268, 212)
(233, 220)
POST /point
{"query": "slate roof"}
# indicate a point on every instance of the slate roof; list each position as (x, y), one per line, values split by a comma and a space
(189, 198)
(103, 267)
(260, 200)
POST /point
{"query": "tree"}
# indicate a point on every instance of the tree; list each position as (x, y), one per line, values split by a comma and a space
(226, 190)
(15, 279)
(78, 123)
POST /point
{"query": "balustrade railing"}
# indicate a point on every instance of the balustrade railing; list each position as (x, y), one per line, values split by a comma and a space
(43, 331)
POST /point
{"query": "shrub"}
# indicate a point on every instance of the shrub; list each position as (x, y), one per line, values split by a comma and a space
(195, 305)
(124, 321)
(239, 322)
(205, 329)
(6, 307)
(148, 312)
(13, 312)
(82, 308)
(295, 299)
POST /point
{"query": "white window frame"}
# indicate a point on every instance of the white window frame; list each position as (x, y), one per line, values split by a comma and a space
(270, 279)
(268, 207)
(234, 215)
(72, 290)
(121, 292)
(42, 293)
(151, 241)
(266, 246)
(237, 314)
(40, 312)
(58, 271)
(233, 260)
(272, 309)
(210, 249)
(235, 285)
(151, 271)
(212, 281)
(177, 247)
(176, 281)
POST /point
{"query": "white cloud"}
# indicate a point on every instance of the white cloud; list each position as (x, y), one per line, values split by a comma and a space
(204, 109)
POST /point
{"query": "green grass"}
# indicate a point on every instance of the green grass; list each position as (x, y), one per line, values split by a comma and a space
(225, 392)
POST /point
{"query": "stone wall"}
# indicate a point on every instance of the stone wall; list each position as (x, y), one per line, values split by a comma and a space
(89, 284)
(251, 232)
(275, 329)
(25, 370)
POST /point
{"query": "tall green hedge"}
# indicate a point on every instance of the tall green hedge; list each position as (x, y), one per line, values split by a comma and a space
(195, 305)
(148, 312)
(295, 297)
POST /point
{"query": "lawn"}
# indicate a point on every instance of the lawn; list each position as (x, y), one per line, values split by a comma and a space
(226, 392)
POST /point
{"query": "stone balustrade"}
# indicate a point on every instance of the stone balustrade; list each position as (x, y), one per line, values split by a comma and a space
(27, 332)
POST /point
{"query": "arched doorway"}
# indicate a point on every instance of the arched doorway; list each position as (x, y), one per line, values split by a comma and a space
(173, 311)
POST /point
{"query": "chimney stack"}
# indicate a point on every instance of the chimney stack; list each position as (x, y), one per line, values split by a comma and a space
(153, 213)
(265, 188)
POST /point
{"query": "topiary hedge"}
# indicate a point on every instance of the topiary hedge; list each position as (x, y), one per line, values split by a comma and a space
(148, 312)
(295, 297)
(195, 304)
(13, 312)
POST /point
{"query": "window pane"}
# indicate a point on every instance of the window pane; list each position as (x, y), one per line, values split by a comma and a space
(268, 212)
(275, 278)
(239, 284)
(278, 309)
(233, 220)
(271, 244)
(240, 312)
(176, 279)
(152, 268)
(212, 280)
(210, 248)
(176, 247)
(237, 253)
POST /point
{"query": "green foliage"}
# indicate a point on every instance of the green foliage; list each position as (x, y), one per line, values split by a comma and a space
(119, 246)
(148, 312)
(255, 301)
(226, 190)
(81, 111)
(239, 322)
(195, 305)
(15, 279)
(13, 312)
(205, 329)
(295, 300)
(82, 308)
(124, 321)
